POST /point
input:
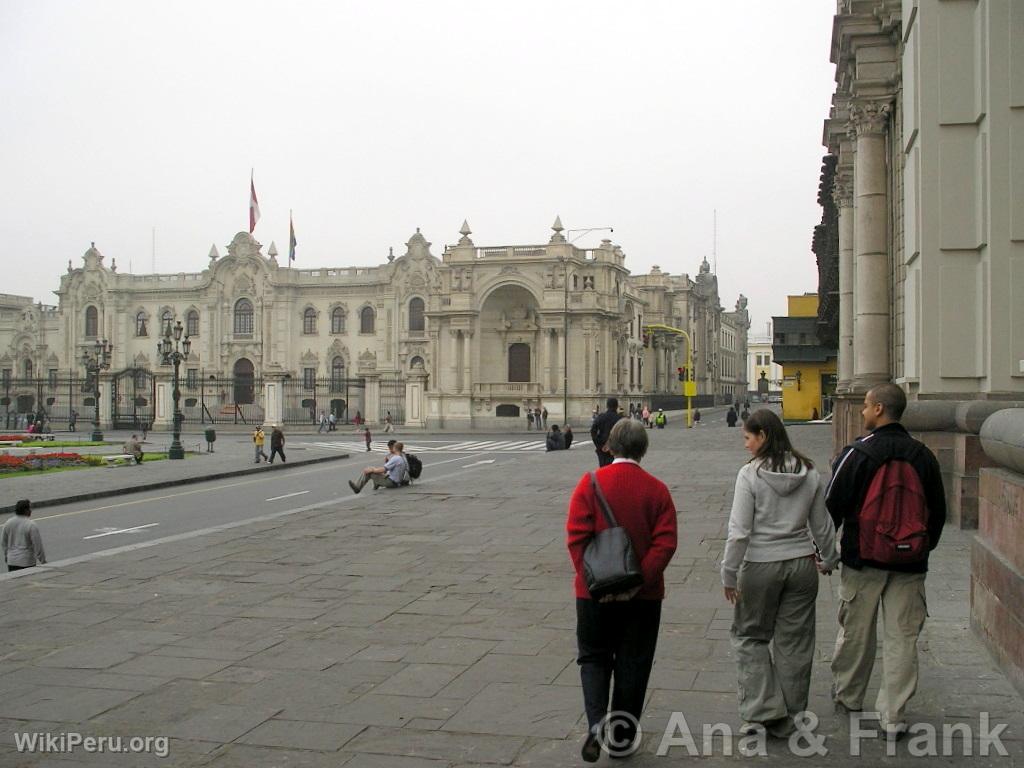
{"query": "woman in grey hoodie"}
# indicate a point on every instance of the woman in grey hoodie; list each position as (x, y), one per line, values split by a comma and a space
(770, 573)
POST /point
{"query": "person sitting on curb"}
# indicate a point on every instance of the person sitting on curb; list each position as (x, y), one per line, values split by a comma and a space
(133, 447)
(555, 440)
(20, 540)
(394, 472)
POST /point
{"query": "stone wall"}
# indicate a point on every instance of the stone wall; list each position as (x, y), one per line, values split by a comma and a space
(997, 555)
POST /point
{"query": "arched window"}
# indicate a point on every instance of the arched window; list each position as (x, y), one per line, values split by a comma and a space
(416, 315)
(28, 369)
(309, 321)
(337, 374)
(167, 318)
(192, 323)
(140, 325)
(243, 317)
(366, 320)
(92, 322)
(338, 320)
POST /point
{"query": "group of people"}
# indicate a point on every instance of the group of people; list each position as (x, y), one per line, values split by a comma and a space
(884, 497)
(559, 439)
(393, 473)
(735, 414)
(259, 440)
(328, 422)
(536, 417)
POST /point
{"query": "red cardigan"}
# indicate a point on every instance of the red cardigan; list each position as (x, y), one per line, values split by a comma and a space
(642, 505)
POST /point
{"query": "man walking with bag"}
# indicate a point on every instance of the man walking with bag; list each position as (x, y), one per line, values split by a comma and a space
(886, 493)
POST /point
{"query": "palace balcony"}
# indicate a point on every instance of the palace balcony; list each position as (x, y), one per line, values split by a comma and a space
(507, 389)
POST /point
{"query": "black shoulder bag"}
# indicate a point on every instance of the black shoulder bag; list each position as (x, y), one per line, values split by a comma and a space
(610, 565)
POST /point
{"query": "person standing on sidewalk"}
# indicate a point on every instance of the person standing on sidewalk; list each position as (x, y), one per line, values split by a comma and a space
(323, 423)
(885, 473)
(617, 634)
(769, 575)
(72, 420)
(258, 440)
(276, 443)
(602, 428)
(388, 425)
(368, 437)
(544, 417)
(20, 540)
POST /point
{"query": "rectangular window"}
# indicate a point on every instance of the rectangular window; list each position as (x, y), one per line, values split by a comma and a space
(7, 376)
(52, 377)
(192, 378)
(308, 378)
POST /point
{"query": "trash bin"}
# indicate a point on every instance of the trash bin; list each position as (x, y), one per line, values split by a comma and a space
(211, 437)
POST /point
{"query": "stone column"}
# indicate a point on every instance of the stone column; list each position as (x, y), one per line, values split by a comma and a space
(106, 412)
(869, 121)
(544, 360)
(372, 395)
(415, 398)
(456, 376)
(467, 361)
(273, 400)
(163, 415)
(843, 195)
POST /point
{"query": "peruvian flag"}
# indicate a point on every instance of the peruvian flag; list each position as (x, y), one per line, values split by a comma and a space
(254, 205)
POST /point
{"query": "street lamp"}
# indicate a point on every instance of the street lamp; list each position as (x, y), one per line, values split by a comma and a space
(170, 353)
(94, 361)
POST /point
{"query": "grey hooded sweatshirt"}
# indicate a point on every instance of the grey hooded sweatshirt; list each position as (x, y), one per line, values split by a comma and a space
(777, 516)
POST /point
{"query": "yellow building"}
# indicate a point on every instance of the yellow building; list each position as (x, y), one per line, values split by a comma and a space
(808, 367)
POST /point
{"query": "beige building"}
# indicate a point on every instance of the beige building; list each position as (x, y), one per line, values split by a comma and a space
(764, 375)
(472, 338)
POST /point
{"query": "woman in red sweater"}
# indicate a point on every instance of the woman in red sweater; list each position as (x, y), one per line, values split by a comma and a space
(617, 634)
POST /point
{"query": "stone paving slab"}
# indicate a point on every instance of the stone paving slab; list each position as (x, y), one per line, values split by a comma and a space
(425, 629)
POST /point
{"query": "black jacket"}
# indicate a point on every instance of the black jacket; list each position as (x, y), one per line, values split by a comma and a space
(851, 474)
(555, 441)
(602, 427)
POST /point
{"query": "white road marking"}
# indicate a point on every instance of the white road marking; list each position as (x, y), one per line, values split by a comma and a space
(118, 530)
(288, 495)
(477, 463)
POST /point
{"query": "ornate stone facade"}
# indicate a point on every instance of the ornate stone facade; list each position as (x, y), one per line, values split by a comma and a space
(482, 331)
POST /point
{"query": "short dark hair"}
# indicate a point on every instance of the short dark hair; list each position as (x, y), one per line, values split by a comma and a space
(391, 442)
(22, 507)
(628, 439)
(554, 427)
(891, 397)
(613, 403)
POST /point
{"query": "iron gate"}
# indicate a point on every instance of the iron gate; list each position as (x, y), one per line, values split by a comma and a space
(392, 398)
(133, 395)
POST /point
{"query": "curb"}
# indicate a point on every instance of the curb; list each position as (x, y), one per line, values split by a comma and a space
(155, 486)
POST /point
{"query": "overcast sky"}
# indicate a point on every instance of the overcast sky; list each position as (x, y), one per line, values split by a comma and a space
(370, 119)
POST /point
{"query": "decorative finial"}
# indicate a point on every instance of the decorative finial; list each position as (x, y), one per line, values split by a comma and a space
(465, 232)
(272, 251)
(558, 237)
(113, 264)
(213, 252)
(92, 244)
(417, 230)
(70, 268)
(391, 250)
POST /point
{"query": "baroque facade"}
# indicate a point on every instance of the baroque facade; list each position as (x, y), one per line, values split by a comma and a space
(470, 338)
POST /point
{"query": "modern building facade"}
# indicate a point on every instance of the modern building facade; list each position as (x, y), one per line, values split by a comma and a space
(468, 339)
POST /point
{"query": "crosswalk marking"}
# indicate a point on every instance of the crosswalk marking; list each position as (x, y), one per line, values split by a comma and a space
(465, 446)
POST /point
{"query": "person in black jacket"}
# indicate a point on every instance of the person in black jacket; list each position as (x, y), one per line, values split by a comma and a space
(865, 584)
(555, 440)
(601, 428)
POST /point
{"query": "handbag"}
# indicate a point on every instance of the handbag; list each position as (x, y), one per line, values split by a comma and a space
(610, 564)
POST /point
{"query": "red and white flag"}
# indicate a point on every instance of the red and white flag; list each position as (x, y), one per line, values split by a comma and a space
(254, 205)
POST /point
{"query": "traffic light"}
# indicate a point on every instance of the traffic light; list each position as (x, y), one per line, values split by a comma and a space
(682, 373)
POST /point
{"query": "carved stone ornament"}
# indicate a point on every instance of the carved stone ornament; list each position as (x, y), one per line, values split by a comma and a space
(869, 117)
(367, 361)
(842, 191)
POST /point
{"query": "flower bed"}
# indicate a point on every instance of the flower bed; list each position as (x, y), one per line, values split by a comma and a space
(47, 461)
(12, 438)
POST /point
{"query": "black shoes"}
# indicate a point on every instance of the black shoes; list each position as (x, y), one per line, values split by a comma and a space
(591, 750)
(355, 488)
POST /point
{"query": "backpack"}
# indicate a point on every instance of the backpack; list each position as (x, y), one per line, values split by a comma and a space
(415, 466)
(894, 516)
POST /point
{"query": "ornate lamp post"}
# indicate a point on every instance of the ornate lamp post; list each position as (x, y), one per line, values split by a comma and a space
(94, 361)
(171, 354)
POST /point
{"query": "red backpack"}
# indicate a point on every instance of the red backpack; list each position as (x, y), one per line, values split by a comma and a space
(894, 516)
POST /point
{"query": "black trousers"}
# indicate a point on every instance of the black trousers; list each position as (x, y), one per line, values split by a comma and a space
(17, 567)
(603, 458)
(616, 640)
(276, 451)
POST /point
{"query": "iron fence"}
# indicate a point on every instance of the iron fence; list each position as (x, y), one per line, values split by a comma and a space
(212, 399)
(392, 398)
(306, 399)
(51, 399)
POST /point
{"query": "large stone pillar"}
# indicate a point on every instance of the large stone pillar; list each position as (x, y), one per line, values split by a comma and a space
(415, 398)
(467, 361)
(843, 197)
(869, 120)
(273, 400)
(163, 415)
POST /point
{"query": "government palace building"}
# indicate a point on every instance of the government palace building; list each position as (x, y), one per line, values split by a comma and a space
(472, 338)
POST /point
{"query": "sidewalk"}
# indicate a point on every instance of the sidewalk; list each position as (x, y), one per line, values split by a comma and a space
(231, 458)
(429, 627)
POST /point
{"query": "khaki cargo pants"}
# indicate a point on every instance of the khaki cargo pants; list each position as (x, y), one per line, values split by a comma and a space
(901, 597)
(773, 637)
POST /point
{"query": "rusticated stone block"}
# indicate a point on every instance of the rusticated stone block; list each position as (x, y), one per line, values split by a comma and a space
(1001, 514)
(997, 610)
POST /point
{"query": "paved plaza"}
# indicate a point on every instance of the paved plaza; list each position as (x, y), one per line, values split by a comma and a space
(427, 627)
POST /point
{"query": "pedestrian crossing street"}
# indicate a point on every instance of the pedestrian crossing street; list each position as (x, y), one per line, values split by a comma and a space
(433, 446)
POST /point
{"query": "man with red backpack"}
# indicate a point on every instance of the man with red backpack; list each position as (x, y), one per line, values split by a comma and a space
(886, 493)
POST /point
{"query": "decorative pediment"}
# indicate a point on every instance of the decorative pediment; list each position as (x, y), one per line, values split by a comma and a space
(310, 359)
(52, 360)
(141, 360)
(337, 349)
(367, 361)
